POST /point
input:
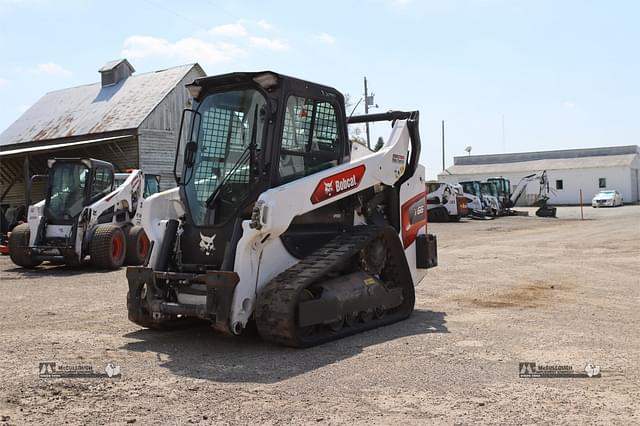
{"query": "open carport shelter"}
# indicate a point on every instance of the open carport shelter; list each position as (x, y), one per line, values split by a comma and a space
(130, 120)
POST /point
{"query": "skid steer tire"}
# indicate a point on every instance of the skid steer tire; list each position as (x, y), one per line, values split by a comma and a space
(137, 245)
(19, 247)
(108, 247)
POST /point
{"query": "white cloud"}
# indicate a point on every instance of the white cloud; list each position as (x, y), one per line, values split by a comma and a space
(229, 30)
(51, 69)
(189, 49)
(265, 25)
(269, 43)
(568, 104)
(325, 38)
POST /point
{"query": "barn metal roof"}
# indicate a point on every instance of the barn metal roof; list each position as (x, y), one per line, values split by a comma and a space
(547, 164)
(93, 109)
(60, 146)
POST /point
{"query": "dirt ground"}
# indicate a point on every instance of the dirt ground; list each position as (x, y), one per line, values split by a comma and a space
(518, 289)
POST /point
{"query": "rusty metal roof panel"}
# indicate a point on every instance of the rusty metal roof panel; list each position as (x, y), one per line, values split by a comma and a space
(93, 109)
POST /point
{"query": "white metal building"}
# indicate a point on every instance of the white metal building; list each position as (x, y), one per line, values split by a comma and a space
(569, 171)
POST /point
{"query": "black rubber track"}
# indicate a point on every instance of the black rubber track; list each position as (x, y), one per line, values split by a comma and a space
(276, 309)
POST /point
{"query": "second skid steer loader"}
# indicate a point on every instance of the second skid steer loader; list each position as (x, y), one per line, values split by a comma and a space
(85, 213)
(277, 220)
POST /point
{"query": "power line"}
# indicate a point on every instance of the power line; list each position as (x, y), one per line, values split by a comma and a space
(229, 14)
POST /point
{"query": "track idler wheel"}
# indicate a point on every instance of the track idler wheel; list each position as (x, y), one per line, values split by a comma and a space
(373, 257)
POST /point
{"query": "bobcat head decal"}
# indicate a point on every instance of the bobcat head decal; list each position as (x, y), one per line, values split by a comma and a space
(328, 187)
(206, 244)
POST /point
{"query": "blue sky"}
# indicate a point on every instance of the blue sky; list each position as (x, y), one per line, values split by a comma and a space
(564, 74)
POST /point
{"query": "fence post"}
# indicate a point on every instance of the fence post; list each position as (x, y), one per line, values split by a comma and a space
(581, 209)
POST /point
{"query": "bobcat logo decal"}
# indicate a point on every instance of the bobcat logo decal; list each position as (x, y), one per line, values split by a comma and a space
(206, 244)
(328, 188)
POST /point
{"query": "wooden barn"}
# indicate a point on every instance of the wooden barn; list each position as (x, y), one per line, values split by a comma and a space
(128, 119)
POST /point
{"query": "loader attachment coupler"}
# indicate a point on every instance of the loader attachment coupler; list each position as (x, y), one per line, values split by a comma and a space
(150, 299)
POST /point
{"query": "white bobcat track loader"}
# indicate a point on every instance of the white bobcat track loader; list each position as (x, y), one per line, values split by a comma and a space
(275, 221)
(84, 214)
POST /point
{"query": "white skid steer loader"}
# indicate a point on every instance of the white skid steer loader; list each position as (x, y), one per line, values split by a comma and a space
(84, 214)
(277, 220)
(445, 202)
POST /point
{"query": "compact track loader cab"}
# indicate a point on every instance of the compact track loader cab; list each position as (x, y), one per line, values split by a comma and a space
(84, 214)
(276, 221)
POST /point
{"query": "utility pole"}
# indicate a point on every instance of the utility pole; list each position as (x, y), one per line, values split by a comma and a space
(442, 145)
(366, 108)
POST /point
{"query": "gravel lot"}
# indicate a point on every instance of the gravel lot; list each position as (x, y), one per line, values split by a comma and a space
(551, 291)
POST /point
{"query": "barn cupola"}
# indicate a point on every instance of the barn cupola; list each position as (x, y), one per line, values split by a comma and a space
(115, 71)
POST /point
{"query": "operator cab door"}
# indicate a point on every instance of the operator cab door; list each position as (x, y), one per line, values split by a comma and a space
(72, 187)
(220, 172)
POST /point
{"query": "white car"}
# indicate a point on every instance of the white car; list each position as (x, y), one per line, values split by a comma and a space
(609, 198)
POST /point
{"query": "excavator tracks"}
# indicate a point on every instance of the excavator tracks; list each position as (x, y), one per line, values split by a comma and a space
(276, 312)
